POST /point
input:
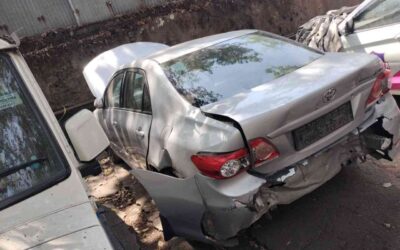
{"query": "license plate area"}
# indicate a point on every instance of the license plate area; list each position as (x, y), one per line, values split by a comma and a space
(322, 126)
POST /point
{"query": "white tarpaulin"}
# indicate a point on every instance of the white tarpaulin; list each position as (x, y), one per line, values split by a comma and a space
(322, 32)
(99, 71)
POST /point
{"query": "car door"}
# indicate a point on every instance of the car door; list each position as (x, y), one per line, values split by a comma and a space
(112, 111)
(377, 29)
(137, 118)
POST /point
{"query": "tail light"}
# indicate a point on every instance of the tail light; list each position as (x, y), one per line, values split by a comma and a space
(381, 86)
(227, 165)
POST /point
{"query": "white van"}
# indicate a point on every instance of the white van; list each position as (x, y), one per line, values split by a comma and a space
(43, 202)
(374, 26)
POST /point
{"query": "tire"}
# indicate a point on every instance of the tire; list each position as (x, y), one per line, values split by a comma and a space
(93, 168)
(114, 158)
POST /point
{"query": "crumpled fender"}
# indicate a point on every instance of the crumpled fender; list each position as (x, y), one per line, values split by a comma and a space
(178, 201)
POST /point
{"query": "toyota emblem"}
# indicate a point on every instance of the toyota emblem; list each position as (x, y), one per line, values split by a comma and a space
(329, 95)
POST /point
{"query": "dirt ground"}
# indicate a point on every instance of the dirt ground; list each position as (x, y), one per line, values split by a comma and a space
(357, 209)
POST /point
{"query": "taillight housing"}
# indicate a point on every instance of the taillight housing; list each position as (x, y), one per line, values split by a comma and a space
(227, 165)
(381, 86)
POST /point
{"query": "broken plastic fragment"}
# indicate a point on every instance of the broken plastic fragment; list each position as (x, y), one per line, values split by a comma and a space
(284, 177)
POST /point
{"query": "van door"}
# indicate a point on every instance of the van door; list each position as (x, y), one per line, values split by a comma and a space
(43, 204)
(377, 29)
(136, 118)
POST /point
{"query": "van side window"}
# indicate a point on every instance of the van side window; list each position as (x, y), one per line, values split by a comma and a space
(113, 96)
(30, 158)
(136, 93)
(379, 13)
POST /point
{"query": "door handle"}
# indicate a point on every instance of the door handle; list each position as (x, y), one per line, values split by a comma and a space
(140, 134)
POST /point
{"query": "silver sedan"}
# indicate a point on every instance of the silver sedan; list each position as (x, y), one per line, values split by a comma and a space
(221, 129)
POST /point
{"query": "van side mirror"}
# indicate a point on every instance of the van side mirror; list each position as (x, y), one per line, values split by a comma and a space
(87, 136)
(98, 103)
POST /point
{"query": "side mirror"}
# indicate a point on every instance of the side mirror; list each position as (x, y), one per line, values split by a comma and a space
(87, 136)
(98, 103)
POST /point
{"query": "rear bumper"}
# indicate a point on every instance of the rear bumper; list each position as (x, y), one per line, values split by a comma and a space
(296, 181)
(205, 209)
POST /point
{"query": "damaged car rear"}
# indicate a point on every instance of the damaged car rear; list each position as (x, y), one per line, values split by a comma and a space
(221, 129)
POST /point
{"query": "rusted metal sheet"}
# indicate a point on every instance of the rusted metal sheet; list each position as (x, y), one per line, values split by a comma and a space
(90, 11)
(126, 6)
(30, 17)
(119, 7)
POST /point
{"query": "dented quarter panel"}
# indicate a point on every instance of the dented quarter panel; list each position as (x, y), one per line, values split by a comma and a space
(171, 137)
(178, 200)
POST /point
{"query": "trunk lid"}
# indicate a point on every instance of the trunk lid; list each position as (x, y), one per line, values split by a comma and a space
(286, 103)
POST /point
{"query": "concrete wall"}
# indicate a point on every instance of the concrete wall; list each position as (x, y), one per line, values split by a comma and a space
(57, 59)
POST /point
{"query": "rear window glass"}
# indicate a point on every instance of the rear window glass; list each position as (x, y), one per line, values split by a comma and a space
(29, 160)
(236, 65)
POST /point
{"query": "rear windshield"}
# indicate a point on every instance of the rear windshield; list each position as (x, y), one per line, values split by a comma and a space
(233, 66)
(29, 159)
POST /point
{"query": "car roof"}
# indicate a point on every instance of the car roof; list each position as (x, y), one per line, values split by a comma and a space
(194, 45)
(99, 71)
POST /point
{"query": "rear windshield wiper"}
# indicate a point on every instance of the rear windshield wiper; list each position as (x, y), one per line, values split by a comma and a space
(15, 169)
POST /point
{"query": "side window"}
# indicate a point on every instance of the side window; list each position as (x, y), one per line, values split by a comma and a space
(136, 94)
(380, 13)
(114, 91)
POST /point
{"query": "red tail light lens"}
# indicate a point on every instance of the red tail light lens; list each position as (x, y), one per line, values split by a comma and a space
(380, 87)
(227, 165)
